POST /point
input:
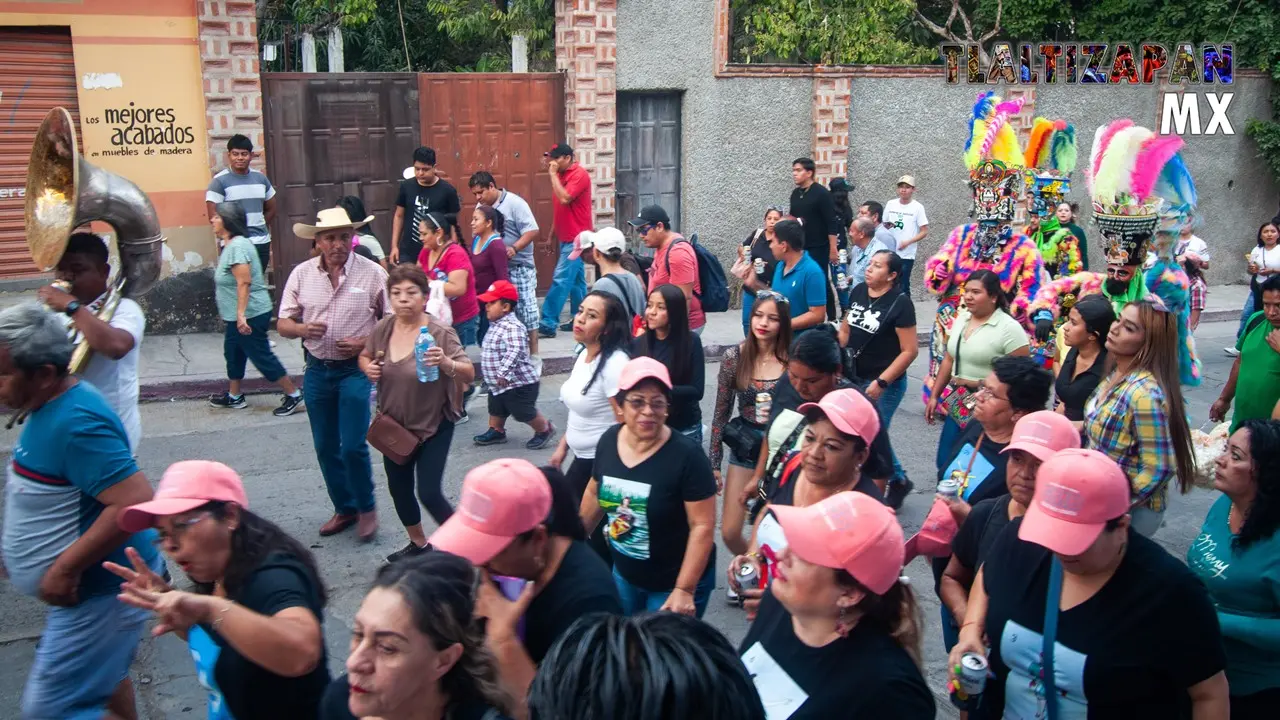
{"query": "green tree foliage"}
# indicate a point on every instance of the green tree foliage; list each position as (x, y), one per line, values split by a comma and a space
(839, 32)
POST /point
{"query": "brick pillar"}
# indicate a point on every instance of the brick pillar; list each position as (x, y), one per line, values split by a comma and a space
(587, 53)
(831, 98)
(232, 88)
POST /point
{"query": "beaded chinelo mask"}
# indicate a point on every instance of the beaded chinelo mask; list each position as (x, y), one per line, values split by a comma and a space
(996, 172)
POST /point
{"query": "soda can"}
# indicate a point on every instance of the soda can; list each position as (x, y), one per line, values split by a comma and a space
(764, 404)
(949, 487)
(748, 576)
(842, 281)
(843, 254)
(758, 266)
(970, 681)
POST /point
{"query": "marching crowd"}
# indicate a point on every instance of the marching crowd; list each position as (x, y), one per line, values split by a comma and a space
(575, 590)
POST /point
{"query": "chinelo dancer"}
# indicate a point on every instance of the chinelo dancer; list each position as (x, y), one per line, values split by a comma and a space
(1141, 189)
(996, 171)
(1050, 158)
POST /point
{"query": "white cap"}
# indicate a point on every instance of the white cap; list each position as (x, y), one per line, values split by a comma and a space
(604, 240)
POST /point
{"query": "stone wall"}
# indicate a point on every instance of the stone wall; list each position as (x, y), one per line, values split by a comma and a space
(232, 87)
(586, 52)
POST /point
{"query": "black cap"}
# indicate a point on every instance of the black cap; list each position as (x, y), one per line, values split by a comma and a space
(559, 150)
(651, 215)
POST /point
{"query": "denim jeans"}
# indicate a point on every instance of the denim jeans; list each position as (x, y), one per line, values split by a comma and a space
(569, 281)
(467, 330)
(337, 397)
(241, 349)
(638, 600)
(888, 404)
(904, 280)
(1245, 314)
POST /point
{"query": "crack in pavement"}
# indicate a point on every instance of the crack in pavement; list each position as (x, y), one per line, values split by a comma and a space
(186, 361)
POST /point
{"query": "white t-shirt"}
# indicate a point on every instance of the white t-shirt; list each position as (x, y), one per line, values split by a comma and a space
(591, 414)
(117, 380)
(907, 221)
(1194, 244)
(1265, 260)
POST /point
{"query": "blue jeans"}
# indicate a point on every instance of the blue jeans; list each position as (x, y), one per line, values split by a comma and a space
(904, 280)
(638, 600)
(241, 349)
(467, 331)
(569, 281)
(748, 299)
(337, 397)
(1245, 314)
(890, 399)
(950, 431)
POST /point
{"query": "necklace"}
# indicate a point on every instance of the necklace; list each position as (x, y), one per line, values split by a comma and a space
(1231, 517)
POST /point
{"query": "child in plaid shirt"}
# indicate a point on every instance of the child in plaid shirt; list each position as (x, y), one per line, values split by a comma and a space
(508, 371)
(1199, 290)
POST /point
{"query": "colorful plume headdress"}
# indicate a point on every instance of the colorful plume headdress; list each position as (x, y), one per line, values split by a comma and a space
(1050, 159)
(994, 159)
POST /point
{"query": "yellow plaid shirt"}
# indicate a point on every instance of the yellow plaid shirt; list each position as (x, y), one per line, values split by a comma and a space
(1128, 423)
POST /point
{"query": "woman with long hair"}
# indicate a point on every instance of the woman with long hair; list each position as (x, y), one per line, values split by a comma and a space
(417, 649)
(1265, 256)
(748, 373)
(244, 304)
(1136, 417)
(445, 260)
(1239, 533)
(1066, 212)
(427, 410)
(1085, 332)
(668, 339)
(364, 234)
(755, 250)
(253, 617)
(488, 253)
(982, 332)
(837, 609)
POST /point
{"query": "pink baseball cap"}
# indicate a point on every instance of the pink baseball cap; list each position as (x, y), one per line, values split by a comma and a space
(1077, 492)
(640, 369)
(848, 531)
(850, 411)
(935, 535)
(186, 486)
(500, 500)
(1043, 433)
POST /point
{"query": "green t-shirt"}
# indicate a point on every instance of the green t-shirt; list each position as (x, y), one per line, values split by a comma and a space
(1258, 381)
(240, 251)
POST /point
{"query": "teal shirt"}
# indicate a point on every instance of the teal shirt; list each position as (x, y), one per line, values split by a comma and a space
(1245, 588)
(240, 251)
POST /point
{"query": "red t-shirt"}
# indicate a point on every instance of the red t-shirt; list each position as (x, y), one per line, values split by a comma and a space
(684, 270)
(453, 258)
(572, 219)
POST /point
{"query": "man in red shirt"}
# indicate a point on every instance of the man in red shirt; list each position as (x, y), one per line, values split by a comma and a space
(571, 215)
(674, 261)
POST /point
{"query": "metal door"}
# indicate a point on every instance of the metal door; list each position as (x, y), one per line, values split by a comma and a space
(648, 154)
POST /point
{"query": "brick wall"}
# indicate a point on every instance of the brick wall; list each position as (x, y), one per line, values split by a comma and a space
(587, 52)
(232, 88)
(831, 126)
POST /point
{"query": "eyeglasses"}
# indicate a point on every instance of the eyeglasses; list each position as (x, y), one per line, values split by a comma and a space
(983, 390)
(180, 528)
(638, 404)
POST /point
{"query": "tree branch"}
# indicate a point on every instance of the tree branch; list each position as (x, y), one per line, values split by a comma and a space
(964, 18)
(944, 31)
(995, 29)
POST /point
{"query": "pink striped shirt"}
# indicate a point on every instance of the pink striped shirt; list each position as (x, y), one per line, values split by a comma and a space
(350, 310)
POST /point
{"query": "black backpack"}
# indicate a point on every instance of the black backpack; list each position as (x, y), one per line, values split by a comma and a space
(715, 289)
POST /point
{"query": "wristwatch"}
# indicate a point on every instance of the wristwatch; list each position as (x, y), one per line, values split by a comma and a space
(880, 381)
(72, 307)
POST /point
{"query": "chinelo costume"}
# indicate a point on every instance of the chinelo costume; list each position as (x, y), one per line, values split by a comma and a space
(1141, 190)
(1050, 159)
(997, 178)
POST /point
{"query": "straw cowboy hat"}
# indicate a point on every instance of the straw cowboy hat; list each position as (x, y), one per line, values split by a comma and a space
(330, 219)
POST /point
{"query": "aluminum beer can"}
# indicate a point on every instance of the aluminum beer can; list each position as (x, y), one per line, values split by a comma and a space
(843, 255)
(748, 576)
(764, 404)
(971, 680)
(758, 266)
(949, 487)
(842, 281)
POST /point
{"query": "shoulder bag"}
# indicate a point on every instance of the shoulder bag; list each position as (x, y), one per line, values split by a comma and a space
(387, 435)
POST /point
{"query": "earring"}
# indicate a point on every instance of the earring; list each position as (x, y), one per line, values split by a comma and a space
(841, 628)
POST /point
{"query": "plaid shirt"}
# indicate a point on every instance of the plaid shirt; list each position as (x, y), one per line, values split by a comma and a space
(505, 354)
(1130, 424)
(350, 310)
(1199, 293)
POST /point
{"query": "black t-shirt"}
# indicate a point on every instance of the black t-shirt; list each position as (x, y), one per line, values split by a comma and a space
(249, 691)
(873, 328)
(685, 411)
(986, 475)
(817, 212)
(762, 260)
(417, 201)
(864, 675)
(980, 530)
(645, 521)
(1074, 393)
(1130, 651)
(785, 493)
(583, 585)
(880, 461)
(334, 706)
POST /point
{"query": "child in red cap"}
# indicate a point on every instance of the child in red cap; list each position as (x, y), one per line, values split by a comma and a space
(509, 372)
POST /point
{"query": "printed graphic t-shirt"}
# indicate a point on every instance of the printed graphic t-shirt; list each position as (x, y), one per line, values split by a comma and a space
(645, 524)
(418, 200)
(986, 476)
(907, 221)
(1129, 651)
(71, 449)
(865, 675)
(873, 328)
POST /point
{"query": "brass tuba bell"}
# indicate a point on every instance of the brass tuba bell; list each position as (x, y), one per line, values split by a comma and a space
(65, 192)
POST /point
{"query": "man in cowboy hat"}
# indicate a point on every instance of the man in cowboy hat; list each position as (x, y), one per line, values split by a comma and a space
(332, 302)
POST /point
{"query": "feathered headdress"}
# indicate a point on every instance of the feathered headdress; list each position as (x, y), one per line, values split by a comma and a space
(991, 137)
(1050, 160)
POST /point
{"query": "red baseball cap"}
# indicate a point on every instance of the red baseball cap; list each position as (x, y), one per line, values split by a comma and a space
(1043, 433)
(848, 531)
(935, 535)
(850, 411)
(186, 486)
(500, 500)
(640, 369)
(500, 290)
(1077, 492)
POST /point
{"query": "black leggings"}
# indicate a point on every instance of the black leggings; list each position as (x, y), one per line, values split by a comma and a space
(428, 466)
(579, 476)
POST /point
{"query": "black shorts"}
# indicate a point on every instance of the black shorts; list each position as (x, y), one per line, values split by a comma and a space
(520, 403)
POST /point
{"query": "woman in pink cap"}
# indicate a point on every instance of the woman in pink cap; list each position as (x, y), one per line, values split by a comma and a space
(838, 632)
(253, 619)
(655, 489)
(1134, 632)
(1036, 437)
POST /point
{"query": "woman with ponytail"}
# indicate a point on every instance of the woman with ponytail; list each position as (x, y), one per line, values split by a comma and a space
(838, 633)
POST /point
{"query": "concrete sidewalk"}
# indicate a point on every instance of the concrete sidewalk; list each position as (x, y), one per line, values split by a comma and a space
(191, 366)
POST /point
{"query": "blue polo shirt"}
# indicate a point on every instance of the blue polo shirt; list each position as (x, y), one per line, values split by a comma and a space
(805, 286)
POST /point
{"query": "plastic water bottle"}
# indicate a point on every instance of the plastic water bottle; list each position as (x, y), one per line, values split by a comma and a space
(426, 373)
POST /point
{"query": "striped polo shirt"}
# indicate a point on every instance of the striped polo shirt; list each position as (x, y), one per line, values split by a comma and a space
(250, 191)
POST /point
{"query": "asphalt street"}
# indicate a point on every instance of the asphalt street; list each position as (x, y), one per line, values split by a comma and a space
(279, 468)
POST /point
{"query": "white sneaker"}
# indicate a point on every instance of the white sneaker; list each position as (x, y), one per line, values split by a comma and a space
(732, 596)
(1230, 351)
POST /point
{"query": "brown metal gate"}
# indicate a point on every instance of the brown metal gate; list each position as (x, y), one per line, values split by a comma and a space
(37, 74)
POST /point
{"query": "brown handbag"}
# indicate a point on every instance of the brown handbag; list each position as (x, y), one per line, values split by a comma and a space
(388, 436)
